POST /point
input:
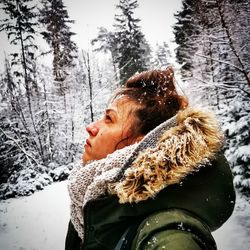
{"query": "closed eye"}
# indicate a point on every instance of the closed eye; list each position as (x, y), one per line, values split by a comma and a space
(108, 118)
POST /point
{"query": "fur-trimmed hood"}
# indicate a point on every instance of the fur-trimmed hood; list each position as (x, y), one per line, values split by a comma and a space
(180, 150)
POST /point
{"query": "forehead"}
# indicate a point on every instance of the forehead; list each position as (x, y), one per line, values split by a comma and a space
(123, 105)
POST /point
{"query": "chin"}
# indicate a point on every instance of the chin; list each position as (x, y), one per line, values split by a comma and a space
(84, 158)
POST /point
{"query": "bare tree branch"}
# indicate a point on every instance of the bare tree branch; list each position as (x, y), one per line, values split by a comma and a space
(21, 148)
(220, 61)
(231, 43)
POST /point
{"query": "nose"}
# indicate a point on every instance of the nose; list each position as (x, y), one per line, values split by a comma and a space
(92, 129)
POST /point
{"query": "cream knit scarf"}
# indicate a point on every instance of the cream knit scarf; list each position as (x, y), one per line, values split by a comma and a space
(91, 181)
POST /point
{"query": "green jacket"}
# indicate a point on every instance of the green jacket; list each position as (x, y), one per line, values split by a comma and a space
(203, 201)
(180, 216)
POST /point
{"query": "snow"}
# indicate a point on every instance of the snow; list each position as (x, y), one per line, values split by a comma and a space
(244, 152)
(234, 234)
(39, 222)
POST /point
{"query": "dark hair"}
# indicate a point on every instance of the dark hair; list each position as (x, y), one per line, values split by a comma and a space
(156, 92)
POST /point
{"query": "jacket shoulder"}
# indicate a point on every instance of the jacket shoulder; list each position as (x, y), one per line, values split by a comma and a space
(173, 229)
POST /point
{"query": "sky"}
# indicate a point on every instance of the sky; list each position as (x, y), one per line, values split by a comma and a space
(157, 19)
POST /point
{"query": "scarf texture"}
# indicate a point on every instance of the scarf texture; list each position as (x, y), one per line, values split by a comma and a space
(165, 156)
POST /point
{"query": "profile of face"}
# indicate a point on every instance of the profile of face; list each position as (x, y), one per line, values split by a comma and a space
(113, 131)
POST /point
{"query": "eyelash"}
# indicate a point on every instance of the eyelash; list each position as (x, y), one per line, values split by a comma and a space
(107, 117)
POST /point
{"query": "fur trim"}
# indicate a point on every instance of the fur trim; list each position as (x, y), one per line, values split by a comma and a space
(181, 150)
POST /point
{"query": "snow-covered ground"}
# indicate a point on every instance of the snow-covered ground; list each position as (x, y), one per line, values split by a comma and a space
(39, 222)
(36, 222)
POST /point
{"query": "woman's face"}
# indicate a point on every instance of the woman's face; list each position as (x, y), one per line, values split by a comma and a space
(113, 131)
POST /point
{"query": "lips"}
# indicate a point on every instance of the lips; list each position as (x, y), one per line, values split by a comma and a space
(88, 143)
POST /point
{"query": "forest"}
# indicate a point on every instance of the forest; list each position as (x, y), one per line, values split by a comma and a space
(48, 96)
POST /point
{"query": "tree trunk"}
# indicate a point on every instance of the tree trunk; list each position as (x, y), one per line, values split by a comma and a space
(50, 143)
(87, 65)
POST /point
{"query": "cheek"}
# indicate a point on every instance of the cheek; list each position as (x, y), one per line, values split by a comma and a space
(111, 140)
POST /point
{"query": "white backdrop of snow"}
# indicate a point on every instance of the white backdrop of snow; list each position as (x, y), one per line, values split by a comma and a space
(39, 222)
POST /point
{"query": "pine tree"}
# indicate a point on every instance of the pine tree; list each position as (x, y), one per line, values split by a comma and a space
(105, 42)
(162, 55)
(19, 25)
(184, 29)
(54, 16)
(132, 49)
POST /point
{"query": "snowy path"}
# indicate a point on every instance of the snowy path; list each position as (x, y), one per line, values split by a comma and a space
(39, 222)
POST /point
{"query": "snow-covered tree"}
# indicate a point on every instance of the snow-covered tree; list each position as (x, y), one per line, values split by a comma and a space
(105, 42)
(184, 29)
(213, 51)
(54, 16)
(38, 127)
(132, 49)
(19, 24)
(129, 50)
(162, 56)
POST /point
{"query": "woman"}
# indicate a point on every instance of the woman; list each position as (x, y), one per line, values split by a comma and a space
(153, 175)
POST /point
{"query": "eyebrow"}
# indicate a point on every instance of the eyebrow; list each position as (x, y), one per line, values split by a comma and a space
(107, 111)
